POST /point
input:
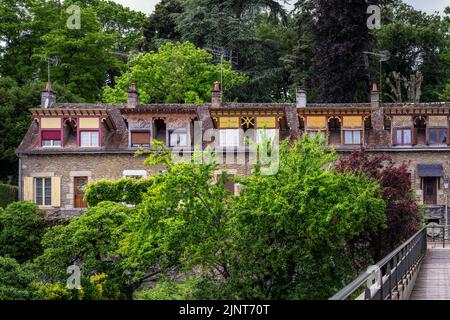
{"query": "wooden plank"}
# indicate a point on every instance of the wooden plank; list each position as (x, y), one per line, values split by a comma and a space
(433, 280)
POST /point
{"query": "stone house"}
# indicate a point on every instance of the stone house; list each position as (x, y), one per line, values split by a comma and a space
(69, 145)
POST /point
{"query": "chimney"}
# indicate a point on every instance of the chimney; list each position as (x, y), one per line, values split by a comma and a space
(216, 97)
(48, 96)
(377, 113)
(375, 96)
(133, 96)
(301, 98)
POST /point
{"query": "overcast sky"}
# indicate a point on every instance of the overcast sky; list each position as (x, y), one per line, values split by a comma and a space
(429, 6)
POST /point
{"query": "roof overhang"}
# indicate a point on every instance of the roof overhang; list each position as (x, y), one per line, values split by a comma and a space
(430, 170)
(68, 112)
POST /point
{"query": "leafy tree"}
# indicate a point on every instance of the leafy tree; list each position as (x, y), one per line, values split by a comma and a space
(160, 25)
(402, 212)
(84, 53)
(292, 235)
(90, 241)
(15, 280)
(20, 231)
(417, 42)
(177, 73)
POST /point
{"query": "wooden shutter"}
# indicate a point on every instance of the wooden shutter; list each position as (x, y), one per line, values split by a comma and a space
(28, 194)
(140, 137)
(414, 136)
(394, 136)
(56, 191)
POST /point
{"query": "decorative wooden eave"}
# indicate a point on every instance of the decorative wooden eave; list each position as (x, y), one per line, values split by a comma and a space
(418, 109)
(246, 112)
(161, 109)
(334, 109)
(39, 112)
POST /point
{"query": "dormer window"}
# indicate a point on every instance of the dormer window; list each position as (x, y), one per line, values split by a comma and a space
(51, 138)
(89, 139)
(403, 136)
(89, 132)
(178, 138)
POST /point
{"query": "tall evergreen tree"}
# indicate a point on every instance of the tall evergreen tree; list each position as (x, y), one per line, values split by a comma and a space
(340, 36)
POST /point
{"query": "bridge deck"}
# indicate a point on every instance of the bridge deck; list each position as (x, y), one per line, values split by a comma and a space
(433, 280)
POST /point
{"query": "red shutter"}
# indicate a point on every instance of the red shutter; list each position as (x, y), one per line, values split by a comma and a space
(51, 135)
(140, 138)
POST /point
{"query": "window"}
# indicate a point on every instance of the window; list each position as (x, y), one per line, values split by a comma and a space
(229, 137)
(178, 138)
(263, 134)
(43, 191)
(89, 139)
(140, 139)
(437, 136)
(403, 136)
(51, 138)
(352, 136)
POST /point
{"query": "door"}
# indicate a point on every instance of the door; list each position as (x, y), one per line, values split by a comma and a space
(430, 190)
(79, 183)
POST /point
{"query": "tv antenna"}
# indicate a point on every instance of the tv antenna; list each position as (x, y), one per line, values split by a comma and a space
(382, 56)
(219, 54)
(51, 61)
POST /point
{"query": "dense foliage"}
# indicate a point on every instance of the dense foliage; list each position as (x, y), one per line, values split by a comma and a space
(402, 211)
(126, 190)
(20, 231)
(8, 194)
(177, 73)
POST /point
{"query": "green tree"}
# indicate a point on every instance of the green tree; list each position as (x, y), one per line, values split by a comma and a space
(90, 241)
(16, 280)
(177, 73)
(417, 42)
(20, 231)
(160, 25)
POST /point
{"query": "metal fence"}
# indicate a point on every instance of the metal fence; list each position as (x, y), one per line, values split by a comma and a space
(379, 282)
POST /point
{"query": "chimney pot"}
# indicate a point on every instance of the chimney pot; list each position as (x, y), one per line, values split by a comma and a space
(301, 98)
(48, 96)
(374, 87)
(216, 96)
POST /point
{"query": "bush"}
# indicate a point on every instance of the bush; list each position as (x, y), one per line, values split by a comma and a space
(20, 231)
(8, 194)
(15, 280)
(168, 290)
(126, 190)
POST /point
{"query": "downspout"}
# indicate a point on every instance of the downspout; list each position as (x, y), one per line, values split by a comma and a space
(20, 179)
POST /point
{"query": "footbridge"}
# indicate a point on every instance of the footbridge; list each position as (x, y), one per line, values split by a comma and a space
(419, 269)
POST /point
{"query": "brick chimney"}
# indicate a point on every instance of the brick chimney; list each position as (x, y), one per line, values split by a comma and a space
(216, 97)
(300, 96)
(48, 96)
(133, 96)
(375, 96)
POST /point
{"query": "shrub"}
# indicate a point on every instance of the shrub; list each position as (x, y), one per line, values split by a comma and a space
(15, 280)
(20, 230)
(126, 190)
(8, 194)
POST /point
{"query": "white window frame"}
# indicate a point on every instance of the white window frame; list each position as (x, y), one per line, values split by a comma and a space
(224, 140)
(90, 132)
(179, 132)
(52, 144)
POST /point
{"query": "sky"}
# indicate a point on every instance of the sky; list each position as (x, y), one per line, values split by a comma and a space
(428, 6)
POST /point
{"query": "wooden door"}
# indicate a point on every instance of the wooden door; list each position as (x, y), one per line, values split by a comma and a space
(79, 183)
(430, 190)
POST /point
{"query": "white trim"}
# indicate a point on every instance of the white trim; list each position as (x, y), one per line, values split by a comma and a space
(128, 173)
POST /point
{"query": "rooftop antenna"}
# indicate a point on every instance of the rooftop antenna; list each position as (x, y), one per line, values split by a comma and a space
(55, 61)
(220, 54)
(382, 57)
